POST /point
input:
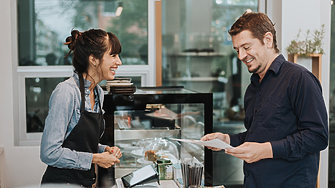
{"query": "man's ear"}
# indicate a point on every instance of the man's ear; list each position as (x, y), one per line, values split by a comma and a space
(268, 40)
(93, 61)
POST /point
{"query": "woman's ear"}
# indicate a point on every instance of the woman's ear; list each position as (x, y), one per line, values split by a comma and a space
(268, 40)
(93, 61)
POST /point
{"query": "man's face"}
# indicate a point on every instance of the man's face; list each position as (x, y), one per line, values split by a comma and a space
(251, 52)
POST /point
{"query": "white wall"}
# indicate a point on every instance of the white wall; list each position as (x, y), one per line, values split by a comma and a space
(19, 166)
(292, 15)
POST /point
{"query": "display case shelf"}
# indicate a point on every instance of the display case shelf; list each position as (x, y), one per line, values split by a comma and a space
(142, 134)
(197, 54)
(155, 113)
(195, 79)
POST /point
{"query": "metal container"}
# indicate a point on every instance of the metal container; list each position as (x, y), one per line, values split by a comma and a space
(165, 169)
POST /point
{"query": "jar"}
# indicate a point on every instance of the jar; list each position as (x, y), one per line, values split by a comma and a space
(165, 169)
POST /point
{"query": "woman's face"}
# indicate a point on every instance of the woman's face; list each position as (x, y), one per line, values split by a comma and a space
(108, 66)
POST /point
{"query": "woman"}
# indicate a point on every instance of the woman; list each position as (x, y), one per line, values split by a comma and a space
(70, 142)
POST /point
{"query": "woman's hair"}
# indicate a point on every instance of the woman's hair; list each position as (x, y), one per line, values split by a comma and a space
(258, 24)
(95, 42)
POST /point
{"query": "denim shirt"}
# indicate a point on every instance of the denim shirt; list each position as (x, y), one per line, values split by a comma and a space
(63, 116)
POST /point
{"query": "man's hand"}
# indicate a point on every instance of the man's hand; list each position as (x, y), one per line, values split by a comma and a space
(212, 136)
(251, 151)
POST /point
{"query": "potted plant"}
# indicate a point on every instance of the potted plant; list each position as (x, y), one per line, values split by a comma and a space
(310, 45)
(308, 49)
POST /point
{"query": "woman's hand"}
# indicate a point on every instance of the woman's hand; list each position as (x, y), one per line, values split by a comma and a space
(105, 159)
(212, 136)
(114, 151)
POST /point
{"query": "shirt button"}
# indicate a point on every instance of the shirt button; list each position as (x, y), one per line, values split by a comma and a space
(255, 111)
(251, 132)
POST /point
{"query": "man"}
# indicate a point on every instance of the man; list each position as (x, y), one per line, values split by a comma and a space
(285, 114)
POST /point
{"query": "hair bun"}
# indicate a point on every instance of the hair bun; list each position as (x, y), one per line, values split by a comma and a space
(72, 40)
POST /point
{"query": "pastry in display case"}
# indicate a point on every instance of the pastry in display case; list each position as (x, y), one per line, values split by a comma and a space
(161, 148)
(141, 124)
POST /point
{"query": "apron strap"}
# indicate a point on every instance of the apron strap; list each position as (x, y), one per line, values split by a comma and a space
(82, 91)
(96, 90)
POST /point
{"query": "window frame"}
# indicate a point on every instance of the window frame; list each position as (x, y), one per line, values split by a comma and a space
(146, 72)
(20, 73)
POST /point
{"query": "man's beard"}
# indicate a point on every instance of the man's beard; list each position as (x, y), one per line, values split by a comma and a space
(255, 70)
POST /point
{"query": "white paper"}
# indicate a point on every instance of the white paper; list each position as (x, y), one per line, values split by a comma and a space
(216, 143)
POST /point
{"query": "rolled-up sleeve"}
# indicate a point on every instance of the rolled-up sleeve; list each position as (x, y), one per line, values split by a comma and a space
(61, 109)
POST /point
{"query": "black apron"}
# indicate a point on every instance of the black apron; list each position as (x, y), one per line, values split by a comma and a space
(84, 137)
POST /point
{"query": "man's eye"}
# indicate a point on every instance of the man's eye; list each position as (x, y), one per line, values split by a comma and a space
(113, 55)
(247, 48)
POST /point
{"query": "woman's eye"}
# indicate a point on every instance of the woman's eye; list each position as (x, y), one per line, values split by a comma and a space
(113, 55)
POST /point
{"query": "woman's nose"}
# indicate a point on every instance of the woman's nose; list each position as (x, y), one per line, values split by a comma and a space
(119, 62)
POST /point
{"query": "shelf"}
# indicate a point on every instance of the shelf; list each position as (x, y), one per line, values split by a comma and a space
(141, 134)
(196, 79)
(195, 54)
(230, 6)
(316, 63)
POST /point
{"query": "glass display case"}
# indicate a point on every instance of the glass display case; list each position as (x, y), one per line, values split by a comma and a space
(141, 124)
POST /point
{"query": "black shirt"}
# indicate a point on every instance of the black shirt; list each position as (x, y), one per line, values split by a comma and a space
(286, 109)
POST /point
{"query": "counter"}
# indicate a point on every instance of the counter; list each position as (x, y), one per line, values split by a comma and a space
(163, 184)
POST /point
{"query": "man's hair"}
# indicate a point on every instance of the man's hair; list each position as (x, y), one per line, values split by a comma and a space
(258, 24)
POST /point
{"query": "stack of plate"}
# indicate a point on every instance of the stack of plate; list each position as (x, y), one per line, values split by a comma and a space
(120, 86)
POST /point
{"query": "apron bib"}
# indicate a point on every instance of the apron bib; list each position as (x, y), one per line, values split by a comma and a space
(84, 137)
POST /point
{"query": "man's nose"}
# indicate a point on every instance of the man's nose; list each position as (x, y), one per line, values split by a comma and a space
(242, 54)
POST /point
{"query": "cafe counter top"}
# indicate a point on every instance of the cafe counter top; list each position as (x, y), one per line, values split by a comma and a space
(163, 184)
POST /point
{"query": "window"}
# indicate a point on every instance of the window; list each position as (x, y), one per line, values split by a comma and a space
(197, 53)
(38, 91)
(42, 27)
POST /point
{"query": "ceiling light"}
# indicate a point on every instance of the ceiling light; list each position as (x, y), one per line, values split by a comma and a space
(119, 9)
